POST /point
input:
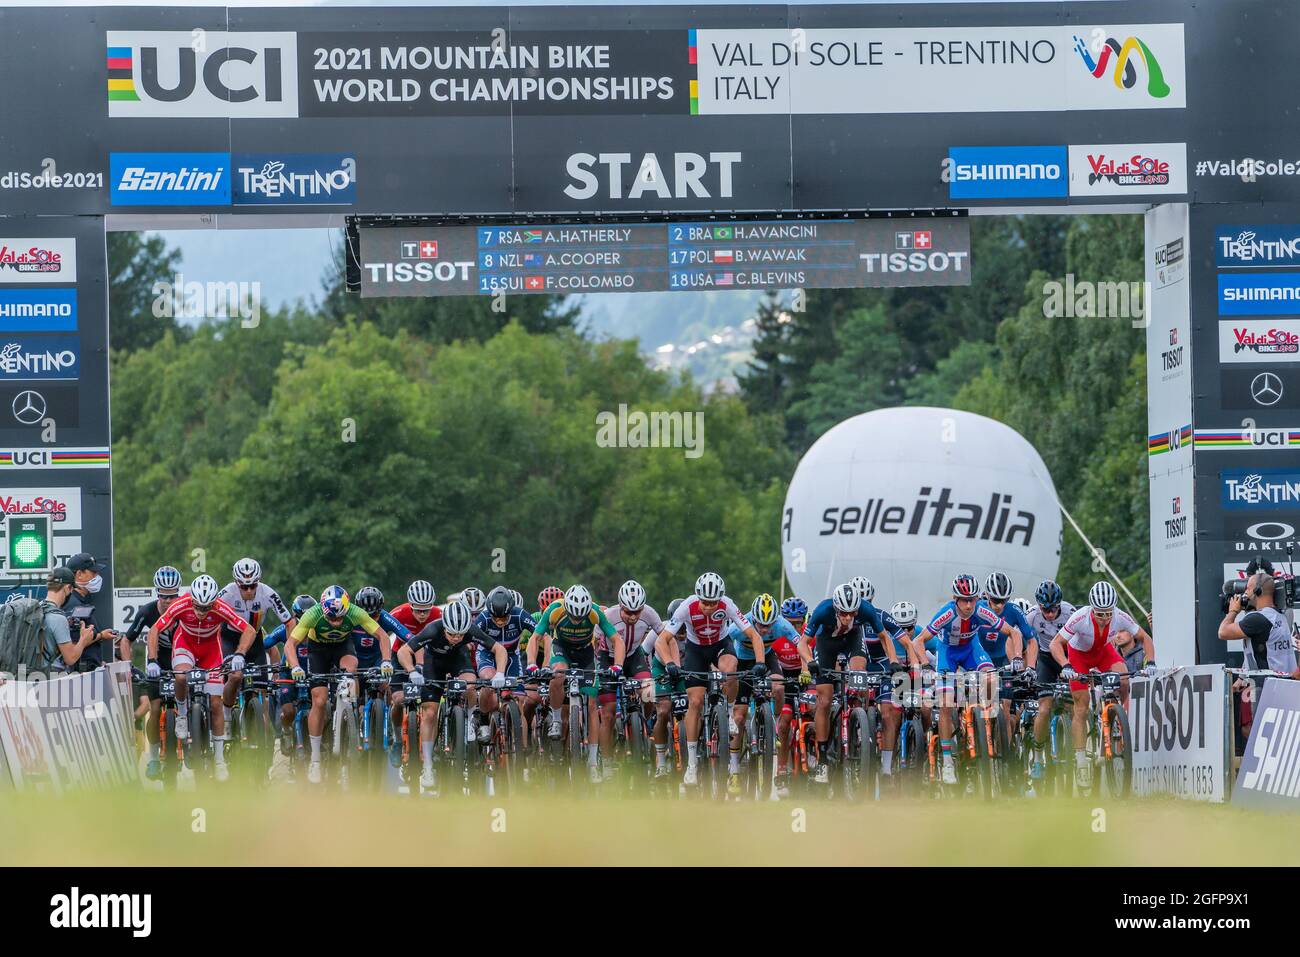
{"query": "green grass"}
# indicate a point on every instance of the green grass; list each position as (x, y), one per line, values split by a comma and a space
(276, 827)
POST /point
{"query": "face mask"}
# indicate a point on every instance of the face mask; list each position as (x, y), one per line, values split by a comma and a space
(94, 585)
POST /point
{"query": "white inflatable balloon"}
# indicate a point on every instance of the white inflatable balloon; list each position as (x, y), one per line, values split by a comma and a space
(911, 497)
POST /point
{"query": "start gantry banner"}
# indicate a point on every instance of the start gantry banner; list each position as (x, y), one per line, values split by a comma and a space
(660, 109)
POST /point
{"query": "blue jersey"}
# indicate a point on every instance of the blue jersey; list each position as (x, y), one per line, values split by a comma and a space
(995, 643)
(822, 621)
(955, 630)
(781, 628)
(518, 622)
(367, 645)
(275, 638)
(901, 637)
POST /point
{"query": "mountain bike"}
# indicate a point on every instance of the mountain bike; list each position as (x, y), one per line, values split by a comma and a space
(713, 746)
(1109, 742)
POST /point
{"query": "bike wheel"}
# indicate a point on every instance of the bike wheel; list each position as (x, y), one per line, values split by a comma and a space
(576, 739)
(860, 759)
(1004, 782)
(981, 766)
(198, 755)
(765, 752)
(638, 746)
(413, 750)
(376, 755)
(345, 743)
(1119, 766)
(720, 750)
(915, 764)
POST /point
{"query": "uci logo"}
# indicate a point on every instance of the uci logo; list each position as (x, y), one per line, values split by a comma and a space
(30, 457)
(1175, 439)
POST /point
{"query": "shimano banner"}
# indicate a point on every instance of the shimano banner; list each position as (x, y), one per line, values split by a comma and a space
(1270, 769)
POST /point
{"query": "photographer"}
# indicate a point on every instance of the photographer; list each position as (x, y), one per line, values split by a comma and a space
(1266, 636)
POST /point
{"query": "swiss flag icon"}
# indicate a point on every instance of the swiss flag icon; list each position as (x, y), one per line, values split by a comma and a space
(921, 239)
(535, 282)
(429, 249)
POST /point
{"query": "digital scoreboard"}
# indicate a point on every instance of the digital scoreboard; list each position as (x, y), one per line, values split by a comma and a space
(568, 259)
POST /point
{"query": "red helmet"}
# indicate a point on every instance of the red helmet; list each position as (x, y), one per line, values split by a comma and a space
(965, 586)
(548, 596)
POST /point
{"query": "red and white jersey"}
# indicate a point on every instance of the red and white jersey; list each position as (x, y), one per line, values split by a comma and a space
(207, 628)
(403, 614)
(1083, 631)
(706, 629)
(253, 610)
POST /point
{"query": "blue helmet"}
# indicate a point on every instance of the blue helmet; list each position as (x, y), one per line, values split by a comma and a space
(1048, 594)
(301, 604)
(794, 608)
(167, 579)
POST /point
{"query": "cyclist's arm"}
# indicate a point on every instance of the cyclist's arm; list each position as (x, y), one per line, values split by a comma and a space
(755, 641)
(1058, 649)
(918, 644)
(666, 648)
(1031, 654)
(1015, 640)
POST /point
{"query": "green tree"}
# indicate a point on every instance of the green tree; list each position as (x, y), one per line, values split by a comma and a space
(135, 263)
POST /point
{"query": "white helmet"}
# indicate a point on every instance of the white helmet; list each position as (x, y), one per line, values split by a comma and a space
(998, 586)
(864, 587)
(845, 599)
(577, 601)
(420, 594)
(903, 612)
(517, 598)
(710, 587)
(247, 571)
(1023, 604)
(1102, 595)
(631, 595)
(204, 590)
(456, 617)
(473, 599)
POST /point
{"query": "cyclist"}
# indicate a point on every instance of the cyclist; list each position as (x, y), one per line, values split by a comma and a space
(1004, 654)
(252, 598)
(569, 629)
(416, 612)
(904, 614)
(508, 625)
(668, 681)
(795, 674)
(167, 588)
(287, 696)
(447, 644)
(637, 624)
(795, 611)
(705, 616)
(838, 626)
(957, 626)
(196, 643)
(1046, 618)
(473, 598)
(765, 618)
(546, 598)
(1082, 644)
(328, 626)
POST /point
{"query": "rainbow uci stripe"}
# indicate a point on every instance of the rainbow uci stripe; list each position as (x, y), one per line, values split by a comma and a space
(121, 82)
(691, 58)
(1238, 439)
(1160, 443)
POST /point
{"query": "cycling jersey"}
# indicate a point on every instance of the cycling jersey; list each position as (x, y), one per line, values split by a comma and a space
(367, 645)
(406, 616)
(995, 643)
(433, 638)
(556, 622)
(145, 616)
(189, 624)
(253, 610)
(640, 636)
(787, 652)
(781, 629)
(518, 622)
(702, 629)
(314, 625)
(1045, 630)
(955, 630)
(1082, 631)
(823, 620)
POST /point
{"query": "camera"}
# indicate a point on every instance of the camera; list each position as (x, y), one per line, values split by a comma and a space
(1284, 587)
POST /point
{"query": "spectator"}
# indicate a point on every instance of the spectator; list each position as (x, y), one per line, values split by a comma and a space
(81, 606)
(61, 651)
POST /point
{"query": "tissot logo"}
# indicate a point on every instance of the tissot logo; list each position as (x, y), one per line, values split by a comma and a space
(201, 73)
(1175, 527)
(933, 514)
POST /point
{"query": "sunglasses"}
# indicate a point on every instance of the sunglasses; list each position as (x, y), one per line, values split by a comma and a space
(248, 587)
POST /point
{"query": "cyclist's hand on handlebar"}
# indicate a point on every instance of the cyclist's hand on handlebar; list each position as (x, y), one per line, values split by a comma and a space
(532, 669)
(298, 674)
(236, 663)
(758, 671)
(386, 669)
(896, 666)
(816, 668)
(674, 671)
(1069, 674)
(616, 671)
(416, 678)
(1150, 669)
(805, 678)
(498, 680)
(153, 671)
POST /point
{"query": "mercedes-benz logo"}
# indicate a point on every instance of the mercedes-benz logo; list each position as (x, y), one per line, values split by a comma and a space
(1266, 388)
(29, 407)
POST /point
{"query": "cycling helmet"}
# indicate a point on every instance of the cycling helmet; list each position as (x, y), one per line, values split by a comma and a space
(674, 605)
(334, 601)
(764, 609)
(548, 596)
(997, 586)
(965, 586)
(631, 595)
(903, 612)
(371, 599)
(1048, 594)
(516, 597)
(301, 604)
(473, 599)
(794, 608)
(420, 594)
(456, 617)
(710, 587)
(247, 571)
(167, 579)
(845, 599)
(204, 590)
(864, 587)
(1102, 595)
(577, 601)
(499, 603)
(1023, 604)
